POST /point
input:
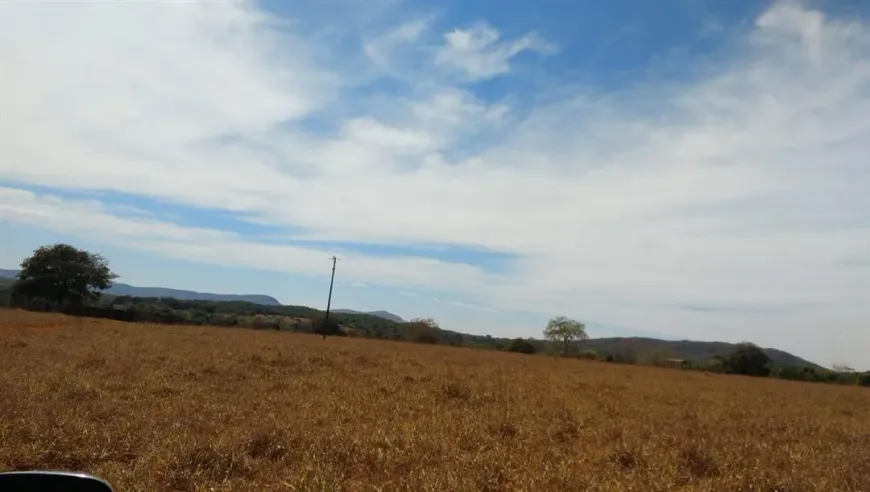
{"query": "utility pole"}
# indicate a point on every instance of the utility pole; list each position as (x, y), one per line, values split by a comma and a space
(329, 301)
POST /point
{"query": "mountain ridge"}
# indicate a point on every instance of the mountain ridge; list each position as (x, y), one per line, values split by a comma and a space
(122, 289)
(381, 314)
(685, 349)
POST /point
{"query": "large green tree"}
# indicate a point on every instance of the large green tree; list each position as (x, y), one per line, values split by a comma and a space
(63, 274)
(565, 330)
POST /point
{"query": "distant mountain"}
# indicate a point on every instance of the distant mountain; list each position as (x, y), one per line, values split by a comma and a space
(380, 314)
(684, 349)
(119, 289)
(188, 295)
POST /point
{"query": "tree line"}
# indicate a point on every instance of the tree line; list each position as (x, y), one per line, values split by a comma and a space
(63, 278)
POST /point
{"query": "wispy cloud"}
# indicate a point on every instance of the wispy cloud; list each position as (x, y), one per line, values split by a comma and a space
(481, 54)
(475, 307)
(384, 48)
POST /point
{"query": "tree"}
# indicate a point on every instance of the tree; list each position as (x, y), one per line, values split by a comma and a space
(748, 359)
(64, 275)
(565, 330)
(428, 322)
(423, 330)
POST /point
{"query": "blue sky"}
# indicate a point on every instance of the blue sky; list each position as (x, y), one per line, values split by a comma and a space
(682, 169)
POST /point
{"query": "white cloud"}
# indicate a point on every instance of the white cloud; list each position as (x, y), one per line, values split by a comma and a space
(385, 47)
(475, 307)
(371, 132)
(479, 53)
(91, 219)
(742, 188)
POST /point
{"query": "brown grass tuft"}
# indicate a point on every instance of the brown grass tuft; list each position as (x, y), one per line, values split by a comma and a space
(196, 408)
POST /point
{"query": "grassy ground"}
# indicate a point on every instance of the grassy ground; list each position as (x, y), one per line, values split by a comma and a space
(192, 408)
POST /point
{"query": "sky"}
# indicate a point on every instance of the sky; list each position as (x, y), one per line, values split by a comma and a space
(685, 169)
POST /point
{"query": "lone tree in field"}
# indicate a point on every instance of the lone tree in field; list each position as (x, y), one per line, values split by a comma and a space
(748, 359)
(565, 330)
(63, 274)
(423, 330)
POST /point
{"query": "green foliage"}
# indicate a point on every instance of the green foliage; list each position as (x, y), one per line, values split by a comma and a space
(747, 359)
(696, 352)
(521, 346)
(565, 330)
(660, 356)
(62, 275)
(423, 330)
(812, 374)
(864, 379)
(620, 357)
(796, 373)
(588, 355)
(327, 328)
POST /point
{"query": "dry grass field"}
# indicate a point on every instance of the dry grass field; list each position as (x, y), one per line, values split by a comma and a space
(194, 408)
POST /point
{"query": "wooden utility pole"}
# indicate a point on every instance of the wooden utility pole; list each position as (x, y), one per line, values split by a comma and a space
(329, 300)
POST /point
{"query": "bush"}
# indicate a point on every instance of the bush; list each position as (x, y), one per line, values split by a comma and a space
(423, 331)
(864, 379)
(620, 357)
(425, 337)
(747, 359)
(521, 346)
(799, 373)
(588, 355)
(322, 327)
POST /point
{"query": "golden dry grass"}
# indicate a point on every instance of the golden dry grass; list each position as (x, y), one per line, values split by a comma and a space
(195, 408)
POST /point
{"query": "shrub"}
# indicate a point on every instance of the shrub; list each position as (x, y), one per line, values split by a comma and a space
(521, 346)
(322, 327)
(423, 331)
(425, 337)
(588, 355)
(747, 359)
(864, 379)
(620, 357)
(795, 373)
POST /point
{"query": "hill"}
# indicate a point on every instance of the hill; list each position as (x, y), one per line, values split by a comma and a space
(132, 291)
(191, 307)
(682, 349)
(120, 289)
(381, 314)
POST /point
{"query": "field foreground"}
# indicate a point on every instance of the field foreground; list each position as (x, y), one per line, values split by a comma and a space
(193, 408)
